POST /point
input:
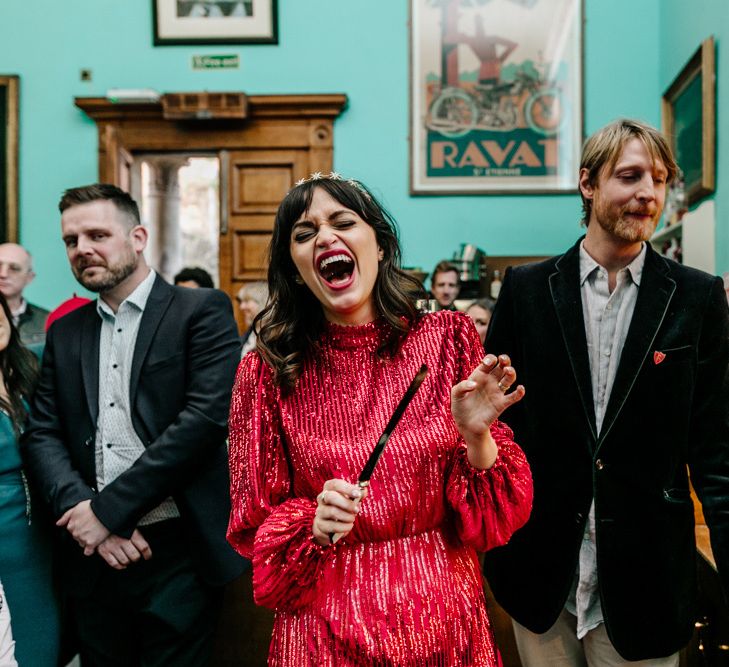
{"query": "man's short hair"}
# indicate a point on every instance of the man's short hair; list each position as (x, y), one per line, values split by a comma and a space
(445, 267)
(200, 276)
(603, 149)
(102, 192)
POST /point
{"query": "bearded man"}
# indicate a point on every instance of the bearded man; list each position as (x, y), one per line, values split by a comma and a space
(126, 442)
(624, 356)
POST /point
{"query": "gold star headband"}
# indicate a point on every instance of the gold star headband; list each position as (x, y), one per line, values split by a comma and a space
(333, 176)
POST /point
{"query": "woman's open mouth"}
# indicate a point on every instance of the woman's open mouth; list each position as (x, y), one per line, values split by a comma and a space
(336, 269)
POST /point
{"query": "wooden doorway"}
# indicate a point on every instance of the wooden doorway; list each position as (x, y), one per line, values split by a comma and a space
(282, 139)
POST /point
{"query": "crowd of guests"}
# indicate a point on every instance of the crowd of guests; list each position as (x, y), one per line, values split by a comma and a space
(154, 452)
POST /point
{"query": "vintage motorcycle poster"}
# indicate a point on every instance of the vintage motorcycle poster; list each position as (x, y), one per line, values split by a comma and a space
(496, 96)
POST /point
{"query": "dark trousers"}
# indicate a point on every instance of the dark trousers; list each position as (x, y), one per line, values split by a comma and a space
(155, 613)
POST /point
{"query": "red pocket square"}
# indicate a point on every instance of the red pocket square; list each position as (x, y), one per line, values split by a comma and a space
(658, 357)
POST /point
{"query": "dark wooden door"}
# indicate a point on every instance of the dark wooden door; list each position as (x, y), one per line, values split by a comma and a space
(253, 183)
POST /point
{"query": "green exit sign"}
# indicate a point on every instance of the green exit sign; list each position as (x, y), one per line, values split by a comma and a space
(216, 62)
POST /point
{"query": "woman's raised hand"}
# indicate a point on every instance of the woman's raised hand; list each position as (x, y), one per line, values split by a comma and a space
(479, 400)
(337, 507)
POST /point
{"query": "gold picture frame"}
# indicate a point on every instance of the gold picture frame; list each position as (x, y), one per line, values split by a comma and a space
(9, 89)
(688, 110)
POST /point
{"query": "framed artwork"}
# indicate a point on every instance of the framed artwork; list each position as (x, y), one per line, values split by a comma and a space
(215, 22)
(9, 87)
(689, 121)
(496, 96)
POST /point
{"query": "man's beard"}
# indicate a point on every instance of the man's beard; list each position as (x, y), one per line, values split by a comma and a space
(626, 229)
(111, 277)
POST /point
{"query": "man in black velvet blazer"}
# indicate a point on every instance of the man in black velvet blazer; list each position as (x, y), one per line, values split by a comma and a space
(126, 443)
(624, 357)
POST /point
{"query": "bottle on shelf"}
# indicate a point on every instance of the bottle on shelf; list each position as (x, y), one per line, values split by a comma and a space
(495, 285)
(675, 201)
(680, 199)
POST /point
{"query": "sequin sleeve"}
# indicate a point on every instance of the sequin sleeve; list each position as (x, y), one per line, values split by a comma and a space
(267, 525)
(490, 504)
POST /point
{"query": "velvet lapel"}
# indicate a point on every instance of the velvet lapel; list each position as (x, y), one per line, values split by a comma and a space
(564, 285)
(89, 353)
(654, 295)
(157, 304)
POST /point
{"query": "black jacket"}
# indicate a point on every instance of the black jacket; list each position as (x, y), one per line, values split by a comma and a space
(183, 369)
(663, 414)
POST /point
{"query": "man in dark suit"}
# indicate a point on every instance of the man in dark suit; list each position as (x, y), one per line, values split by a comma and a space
(127, 444)
(624, 357)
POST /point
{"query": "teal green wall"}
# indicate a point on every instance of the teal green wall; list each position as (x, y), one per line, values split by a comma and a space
(357, 47)
(683, 26)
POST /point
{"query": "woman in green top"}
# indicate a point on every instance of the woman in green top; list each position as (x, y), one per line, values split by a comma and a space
(25, 550)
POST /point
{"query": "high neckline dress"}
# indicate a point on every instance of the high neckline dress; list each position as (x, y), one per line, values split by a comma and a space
(404, 587)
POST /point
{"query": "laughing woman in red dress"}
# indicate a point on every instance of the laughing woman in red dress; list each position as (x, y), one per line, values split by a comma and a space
(386, 576)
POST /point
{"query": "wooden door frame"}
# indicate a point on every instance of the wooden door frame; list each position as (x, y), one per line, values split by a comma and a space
(274, 121)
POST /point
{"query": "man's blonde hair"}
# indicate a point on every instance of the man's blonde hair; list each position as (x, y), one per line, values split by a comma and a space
(602, 150)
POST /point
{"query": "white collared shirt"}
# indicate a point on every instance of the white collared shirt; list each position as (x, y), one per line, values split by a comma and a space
(117, 444)
(607, 317)
(20, 311)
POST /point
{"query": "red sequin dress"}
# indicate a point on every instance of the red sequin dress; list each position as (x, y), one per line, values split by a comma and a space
(404, 587)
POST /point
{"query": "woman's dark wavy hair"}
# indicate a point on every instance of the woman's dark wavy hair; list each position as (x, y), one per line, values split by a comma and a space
(292, 322)
(20, 372)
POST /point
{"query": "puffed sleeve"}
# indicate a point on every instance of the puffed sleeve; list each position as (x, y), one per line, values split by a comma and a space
(489, 505)
(267, 524)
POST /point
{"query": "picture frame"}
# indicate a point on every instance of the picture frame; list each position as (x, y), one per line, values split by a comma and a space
(189, 22)
(496, 96)
(9, 126)
(688, 110)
